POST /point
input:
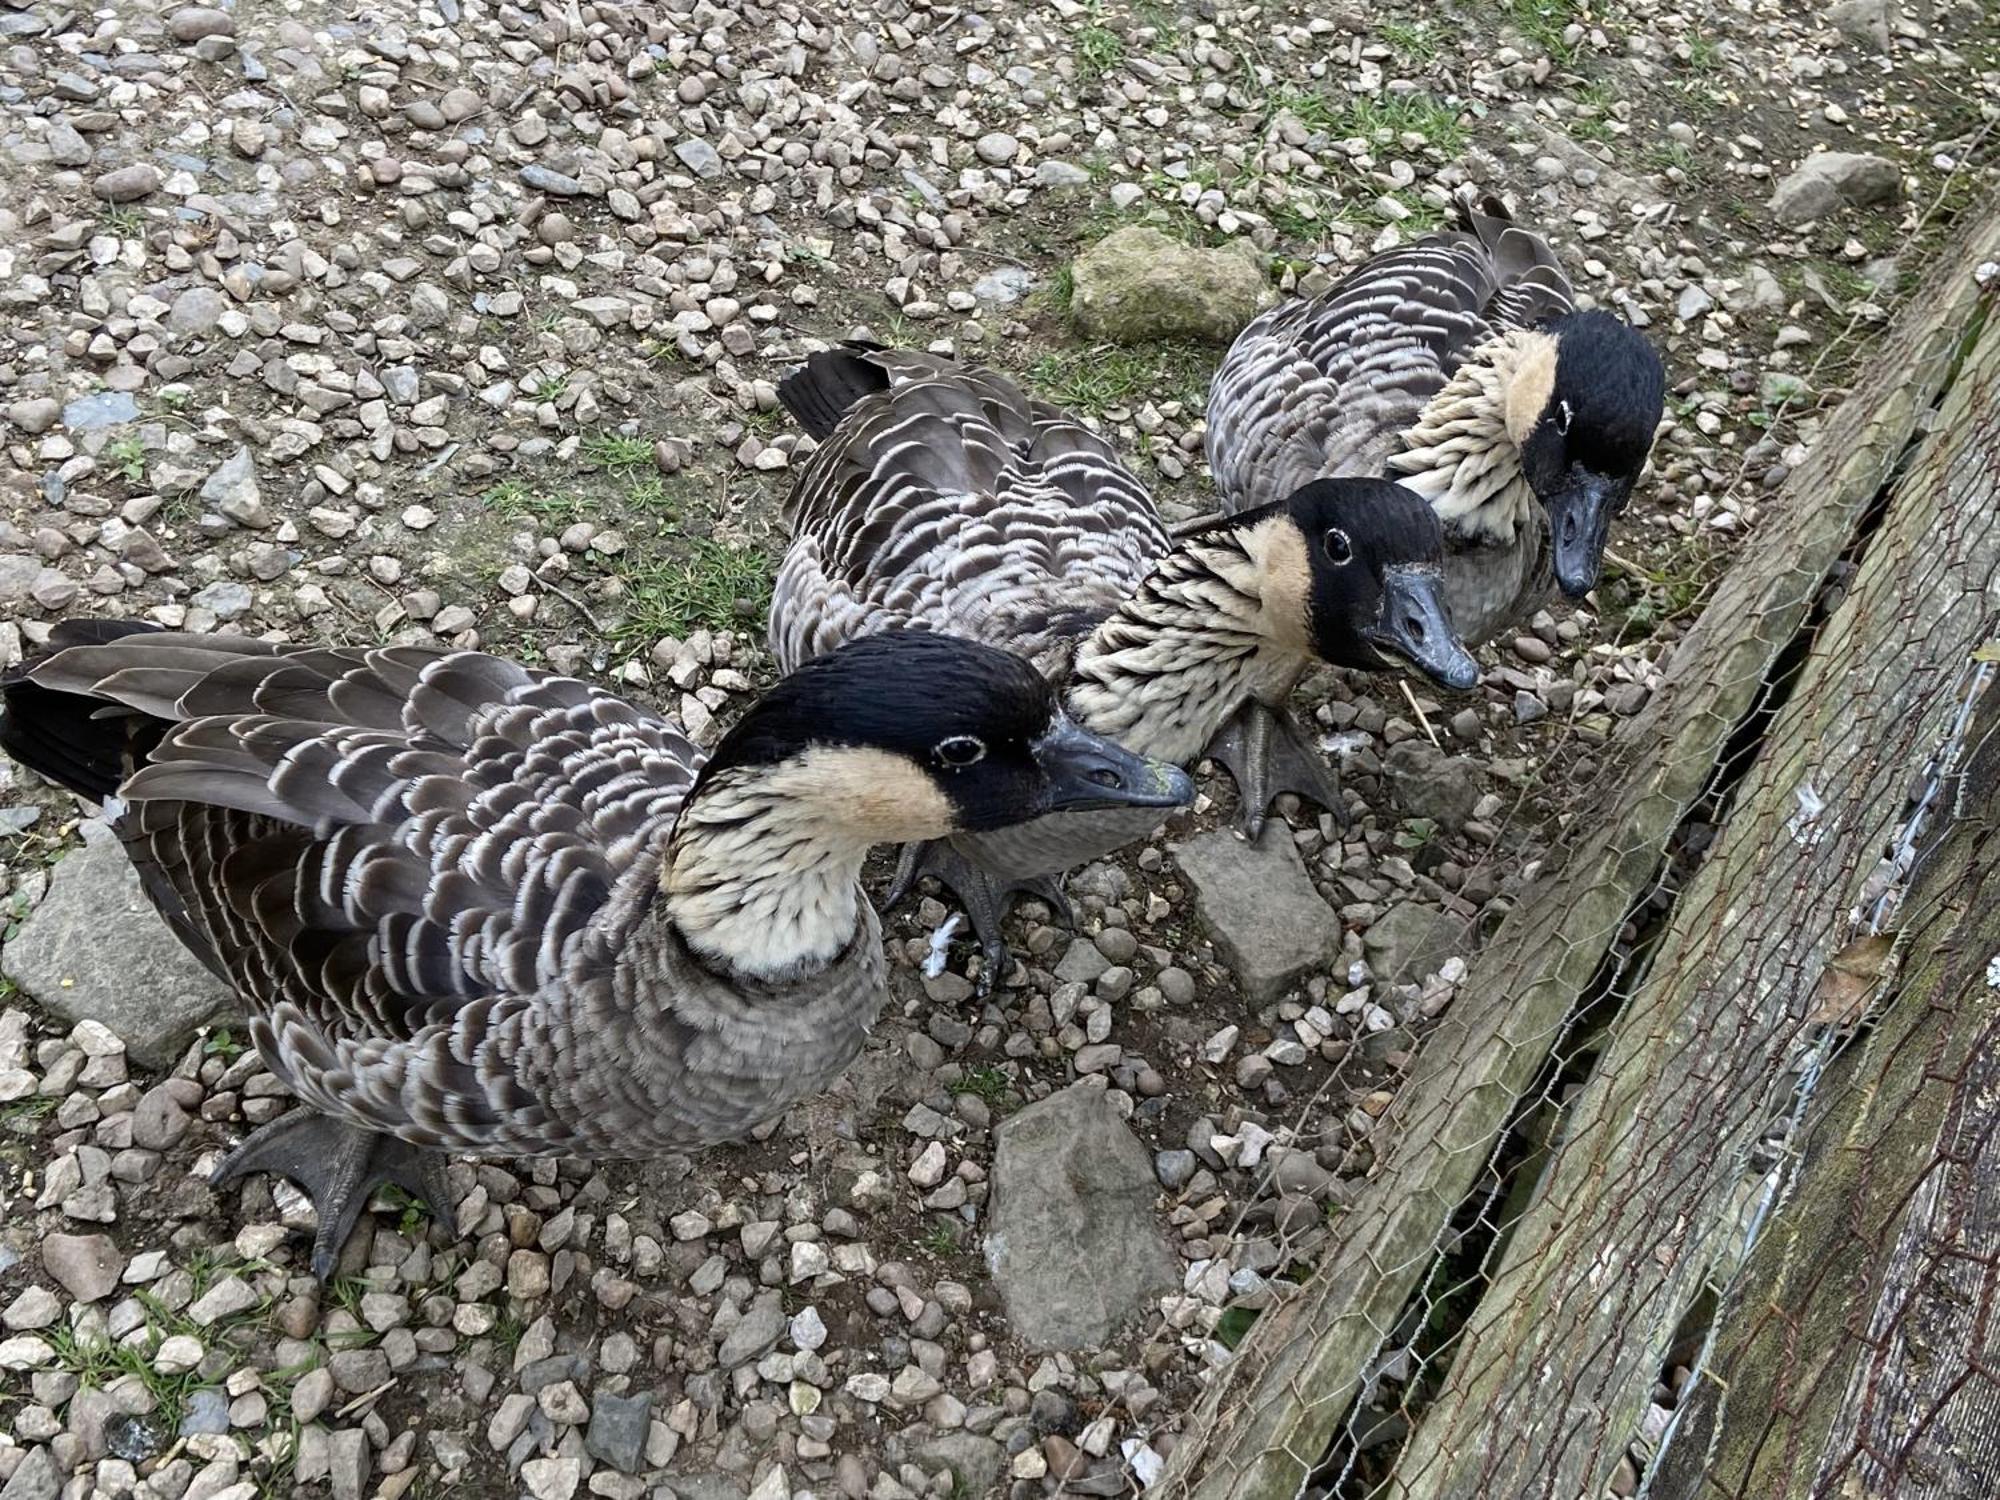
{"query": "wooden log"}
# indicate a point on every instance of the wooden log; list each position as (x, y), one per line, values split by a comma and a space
(1650, 1192)
(1268, 1415)
(1859, 1351)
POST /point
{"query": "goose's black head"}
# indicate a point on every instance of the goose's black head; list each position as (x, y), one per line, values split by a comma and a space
(911, 735)
(1586, 441)
(1375, 554)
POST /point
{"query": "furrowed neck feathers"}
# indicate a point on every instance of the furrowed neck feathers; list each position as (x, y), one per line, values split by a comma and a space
(763, 868)
(1464, 453)
(1222, 618)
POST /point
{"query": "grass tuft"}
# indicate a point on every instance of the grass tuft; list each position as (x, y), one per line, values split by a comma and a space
(1092, 381)
(711, 585)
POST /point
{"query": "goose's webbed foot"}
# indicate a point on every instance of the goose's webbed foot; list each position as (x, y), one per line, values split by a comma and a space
(339, 1167)
(985, 897)
(1268, 753)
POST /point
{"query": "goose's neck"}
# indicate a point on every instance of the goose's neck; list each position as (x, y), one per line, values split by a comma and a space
(762, 874)
(1222, 618)
(1463, 454)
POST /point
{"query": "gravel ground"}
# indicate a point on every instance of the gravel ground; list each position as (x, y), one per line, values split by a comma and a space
(461, 322)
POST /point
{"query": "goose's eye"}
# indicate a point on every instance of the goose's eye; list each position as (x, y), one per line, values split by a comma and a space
(1339, 549)
(961, 750)
(1564, 416)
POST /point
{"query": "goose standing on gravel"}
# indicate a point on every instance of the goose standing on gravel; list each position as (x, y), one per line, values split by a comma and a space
(944, 497)
(1460, 366)
(475, 907)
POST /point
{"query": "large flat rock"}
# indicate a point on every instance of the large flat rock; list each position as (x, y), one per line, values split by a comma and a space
(1073, 1242)
(95, 950)
(1260, 907)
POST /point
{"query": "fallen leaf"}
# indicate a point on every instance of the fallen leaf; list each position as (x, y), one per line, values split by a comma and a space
(1990, 652)
(1849, 980)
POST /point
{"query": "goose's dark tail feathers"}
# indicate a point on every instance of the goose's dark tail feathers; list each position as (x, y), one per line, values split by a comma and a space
(819, 393)
(68, 738)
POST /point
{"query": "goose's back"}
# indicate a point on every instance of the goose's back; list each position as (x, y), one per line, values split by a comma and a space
(1325, 386)
(949, 500)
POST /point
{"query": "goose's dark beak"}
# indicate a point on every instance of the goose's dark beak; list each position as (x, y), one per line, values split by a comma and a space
(1414, 626)
(1086, 772)
(1580, 521)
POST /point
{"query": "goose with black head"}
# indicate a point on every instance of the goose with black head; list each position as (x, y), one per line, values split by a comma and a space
(476, 907)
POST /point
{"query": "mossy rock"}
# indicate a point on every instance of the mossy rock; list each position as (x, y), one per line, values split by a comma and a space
(1138, 285)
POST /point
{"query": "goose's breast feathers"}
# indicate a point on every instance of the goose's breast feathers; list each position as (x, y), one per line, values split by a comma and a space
(947, 499)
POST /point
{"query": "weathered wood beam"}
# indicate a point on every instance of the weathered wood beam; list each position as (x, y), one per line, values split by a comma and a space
(1268, 1415)
(1648, 1195)
(1859, 1350)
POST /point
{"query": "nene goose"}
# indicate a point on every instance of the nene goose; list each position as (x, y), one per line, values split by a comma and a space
(1459, 365)
(474, 907)
(944, 497)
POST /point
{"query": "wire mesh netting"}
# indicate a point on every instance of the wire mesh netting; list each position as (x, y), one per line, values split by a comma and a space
(1684, 1192)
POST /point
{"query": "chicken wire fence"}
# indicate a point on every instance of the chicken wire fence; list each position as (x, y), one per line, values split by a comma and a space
(1544, 1275)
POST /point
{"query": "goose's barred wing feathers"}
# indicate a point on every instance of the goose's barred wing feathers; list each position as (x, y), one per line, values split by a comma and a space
(1325, 386)
(948, 499)
(377, 847)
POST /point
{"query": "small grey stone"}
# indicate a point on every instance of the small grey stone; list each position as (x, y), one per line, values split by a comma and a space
(618, 1429)
(1260, 907)
(87, 1265)
(100, 409)
(1061, 174)
(1081, 964)
(1411, 941)
(996, 148)
(77, 952)
(194, 22)
(36, 414)
(207, 1411)
(231, 488)
(547, 180)
(1138, 285)
(1004, 286)
(348, 1463)
(195, 312)
(1430, 784)
(1828, 180)
(1865, 21)
(158, 1121)
(1072, 1240)
(132, 1438)
(127, 184)
(34, 1478)
(699, 157)
(756, 1333)
(226, 598)
(1175, 1169)
(67, 147)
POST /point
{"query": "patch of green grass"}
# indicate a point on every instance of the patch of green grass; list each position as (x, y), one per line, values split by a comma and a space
(1409, 114)
(711, 585)
(1091, 381)
(616, 452)
(1543, 23)
(990, 1084)
(1099, 50)
(1414, 42)
(517, 500)
(1704, 54)
(124, 220)
(35, 1107)
(1235, 1325)
(126, 456)
(1419, 215)
(1162, 18)
(941, 1239)
(1298, 221)
(1673, 156)
(551, 387)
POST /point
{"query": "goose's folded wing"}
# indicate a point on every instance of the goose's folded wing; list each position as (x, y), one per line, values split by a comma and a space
(954, 502)
(1321, 386)
(376, 841)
